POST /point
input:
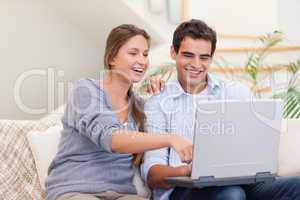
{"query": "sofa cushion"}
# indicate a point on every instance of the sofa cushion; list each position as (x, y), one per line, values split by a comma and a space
(18, 177)
(289, 157)
(44, 145)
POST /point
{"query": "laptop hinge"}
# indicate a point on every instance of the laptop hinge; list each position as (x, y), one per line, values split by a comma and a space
(264, 177)
(206, 180)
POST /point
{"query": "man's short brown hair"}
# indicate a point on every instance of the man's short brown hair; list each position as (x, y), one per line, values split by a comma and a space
(195, 29)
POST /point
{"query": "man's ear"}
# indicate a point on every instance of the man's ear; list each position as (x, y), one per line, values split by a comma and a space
(173, 53)
(211, 59)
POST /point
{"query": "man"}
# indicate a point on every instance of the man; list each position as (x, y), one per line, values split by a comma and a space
(193, 47)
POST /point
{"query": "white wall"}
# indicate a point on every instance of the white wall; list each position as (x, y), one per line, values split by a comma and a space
(33, 36)
(288, 19)
(158, 20)
(95, 18)
(62, 40)
(69, 36)
(236, 16)
(254, 18)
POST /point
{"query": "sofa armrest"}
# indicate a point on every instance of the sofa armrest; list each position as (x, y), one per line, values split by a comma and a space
(18, 177)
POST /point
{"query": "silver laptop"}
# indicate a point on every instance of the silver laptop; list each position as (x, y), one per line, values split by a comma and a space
(235, 142)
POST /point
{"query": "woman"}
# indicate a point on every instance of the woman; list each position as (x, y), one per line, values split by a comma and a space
(103, 127)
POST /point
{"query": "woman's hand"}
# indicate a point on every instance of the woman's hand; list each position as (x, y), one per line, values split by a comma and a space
(183, 147)
(155, 85)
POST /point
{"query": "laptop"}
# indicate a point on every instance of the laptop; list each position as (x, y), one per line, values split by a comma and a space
(235, 143)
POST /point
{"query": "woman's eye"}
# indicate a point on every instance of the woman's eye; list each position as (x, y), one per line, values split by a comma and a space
(145, 54)
(132, 53)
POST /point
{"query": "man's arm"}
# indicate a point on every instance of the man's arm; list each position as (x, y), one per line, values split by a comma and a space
(155, 166)
(158, 173)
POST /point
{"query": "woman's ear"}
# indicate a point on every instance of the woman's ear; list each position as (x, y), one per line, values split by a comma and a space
(111, 62)
(173, 53)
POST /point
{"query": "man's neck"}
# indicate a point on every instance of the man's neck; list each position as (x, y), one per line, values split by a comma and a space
(193, 89)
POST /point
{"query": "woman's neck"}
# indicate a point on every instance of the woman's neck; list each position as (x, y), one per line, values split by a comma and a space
(116, 86)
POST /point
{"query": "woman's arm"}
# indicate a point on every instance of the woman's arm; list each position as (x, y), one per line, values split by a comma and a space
(124, 141)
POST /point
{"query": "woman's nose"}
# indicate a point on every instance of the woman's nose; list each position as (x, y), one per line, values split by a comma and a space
(143, 59)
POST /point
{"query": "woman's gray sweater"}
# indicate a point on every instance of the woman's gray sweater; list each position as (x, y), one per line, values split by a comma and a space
(84, 162)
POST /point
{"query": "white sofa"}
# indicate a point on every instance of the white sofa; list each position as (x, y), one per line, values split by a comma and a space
(26, 151)
(18, 175)
(18, 170)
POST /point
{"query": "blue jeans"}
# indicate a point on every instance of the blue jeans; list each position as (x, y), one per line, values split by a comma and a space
(280, 189)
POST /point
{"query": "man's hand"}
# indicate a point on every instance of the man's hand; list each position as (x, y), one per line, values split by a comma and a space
(158, 173)
(186, 170)
(155, 85)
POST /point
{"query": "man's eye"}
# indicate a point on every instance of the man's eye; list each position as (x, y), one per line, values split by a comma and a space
(204, 58)
(187, 55)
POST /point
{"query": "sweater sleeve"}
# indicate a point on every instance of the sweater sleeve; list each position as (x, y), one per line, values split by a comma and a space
(88, 112)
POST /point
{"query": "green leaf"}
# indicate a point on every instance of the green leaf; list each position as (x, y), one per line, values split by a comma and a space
(292, 104)
(294, 67)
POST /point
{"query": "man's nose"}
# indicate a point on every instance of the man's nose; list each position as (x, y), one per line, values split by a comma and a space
(196, 63)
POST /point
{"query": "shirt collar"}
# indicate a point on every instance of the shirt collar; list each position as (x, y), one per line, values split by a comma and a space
(177, 90)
